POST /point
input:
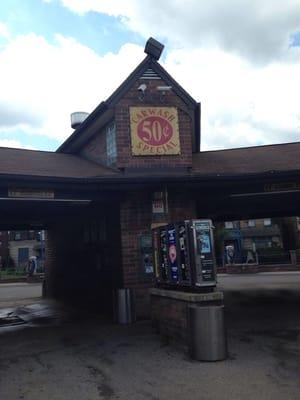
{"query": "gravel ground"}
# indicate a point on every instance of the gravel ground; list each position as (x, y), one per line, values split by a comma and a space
(62, 356)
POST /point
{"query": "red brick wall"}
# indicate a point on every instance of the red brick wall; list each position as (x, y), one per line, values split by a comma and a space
(181, 206)
(135, 218)
(169, 318)
(152, 98)
(95, 149)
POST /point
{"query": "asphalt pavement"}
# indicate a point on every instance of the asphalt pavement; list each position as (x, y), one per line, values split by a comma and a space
(15, 294)
(64, 354)
(262, 280)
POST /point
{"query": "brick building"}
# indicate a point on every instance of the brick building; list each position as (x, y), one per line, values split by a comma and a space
(135, 161)
(252, 234)
(260, 236)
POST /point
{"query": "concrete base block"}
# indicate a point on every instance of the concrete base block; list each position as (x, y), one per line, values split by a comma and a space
(170, 310)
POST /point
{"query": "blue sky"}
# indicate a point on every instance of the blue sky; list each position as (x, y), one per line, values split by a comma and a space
(100, 32)
(60, 56)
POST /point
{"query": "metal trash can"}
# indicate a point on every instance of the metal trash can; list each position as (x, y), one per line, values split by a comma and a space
(208, 340)
(124, 306)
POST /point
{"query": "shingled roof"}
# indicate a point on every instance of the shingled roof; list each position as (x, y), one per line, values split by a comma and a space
(48, 164)
(229, 162)
(248, 160)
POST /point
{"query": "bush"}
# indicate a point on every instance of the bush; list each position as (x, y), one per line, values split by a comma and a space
(11, 274)
(8, 263)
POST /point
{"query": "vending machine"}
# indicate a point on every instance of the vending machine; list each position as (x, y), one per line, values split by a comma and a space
(201, 248)
(159, 245)
(184, 259)
(172, 255)
(183, 254)
(146, 256)
(165, 255)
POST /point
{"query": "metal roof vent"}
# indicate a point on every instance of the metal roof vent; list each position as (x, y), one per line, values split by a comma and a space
(77, 118)
(150, 74)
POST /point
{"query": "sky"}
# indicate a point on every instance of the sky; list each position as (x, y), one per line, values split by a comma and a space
(239, 58)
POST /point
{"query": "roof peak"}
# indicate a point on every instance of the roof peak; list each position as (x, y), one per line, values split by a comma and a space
(149, 62)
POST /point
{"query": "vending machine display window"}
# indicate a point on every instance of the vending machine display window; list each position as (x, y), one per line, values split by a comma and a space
(163, 255)
(204, 255)
(184, 259)
(172, 253)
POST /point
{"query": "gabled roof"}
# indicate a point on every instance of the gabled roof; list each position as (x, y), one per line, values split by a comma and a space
(148, 62)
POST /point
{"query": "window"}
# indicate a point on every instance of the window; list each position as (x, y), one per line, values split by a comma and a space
(263, 242)
(267, 222)
(228, 224)
(111, 146)
(23, 255)
(251, 223)
(18, 236)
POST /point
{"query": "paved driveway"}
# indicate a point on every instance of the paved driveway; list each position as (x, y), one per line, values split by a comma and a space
(264, 280)
(14, 294)
(83, 357)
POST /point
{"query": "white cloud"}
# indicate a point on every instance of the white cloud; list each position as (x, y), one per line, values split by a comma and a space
(4, 31)
(258, 30)
(42, 83)
(14, 144)
(243, 102)
(111, 7)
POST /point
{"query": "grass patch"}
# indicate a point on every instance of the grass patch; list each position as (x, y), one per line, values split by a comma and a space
(12, 274)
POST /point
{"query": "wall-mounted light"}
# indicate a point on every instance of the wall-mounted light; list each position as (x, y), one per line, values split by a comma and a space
(163, 90)
(142, 89)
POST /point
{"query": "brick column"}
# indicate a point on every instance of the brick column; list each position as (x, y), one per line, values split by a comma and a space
(62, 246)
(136, 217)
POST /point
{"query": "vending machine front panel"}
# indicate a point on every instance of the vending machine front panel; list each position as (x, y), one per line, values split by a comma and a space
(163, 258)
(146, 256)
(172, 254)
(183, 250)
(205, 274)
